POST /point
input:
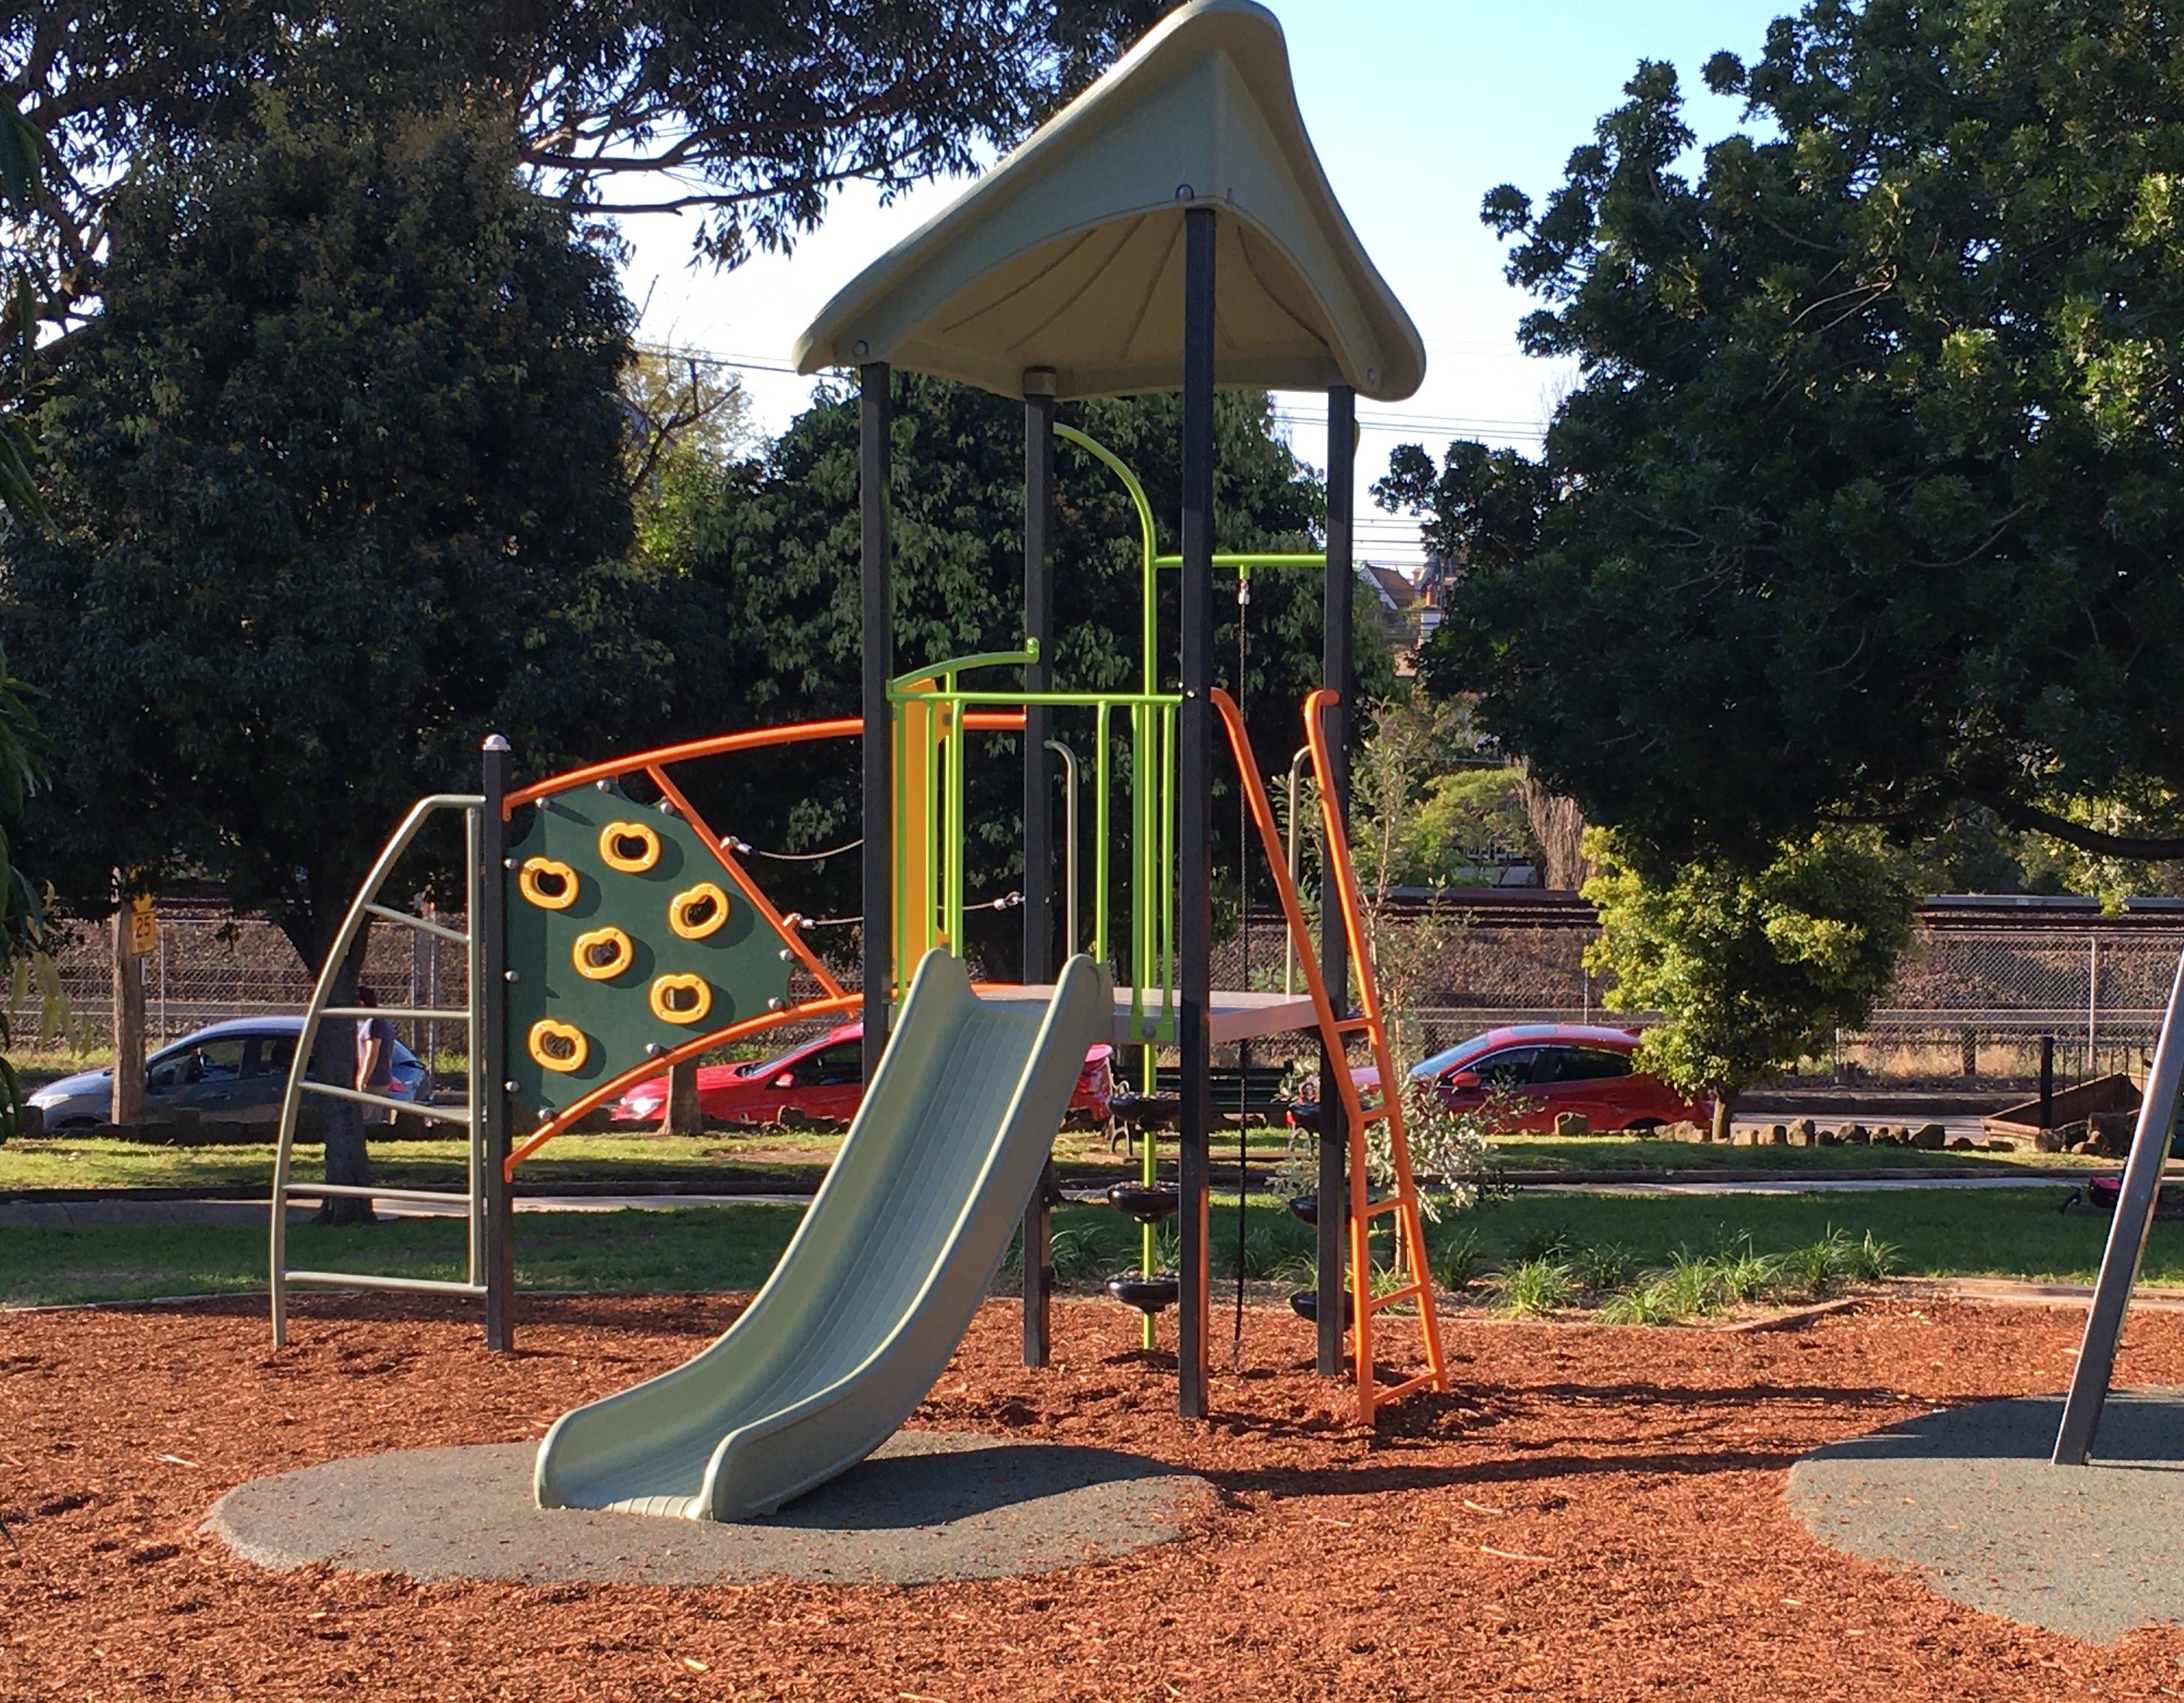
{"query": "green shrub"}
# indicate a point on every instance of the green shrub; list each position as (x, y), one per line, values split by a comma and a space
(1536, 1288)
(1641, 1304)
(1456, 1262)
(1601, 1266)
(1543, 1244)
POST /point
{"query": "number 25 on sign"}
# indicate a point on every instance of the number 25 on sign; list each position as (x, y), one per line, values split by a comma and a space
(143, 926)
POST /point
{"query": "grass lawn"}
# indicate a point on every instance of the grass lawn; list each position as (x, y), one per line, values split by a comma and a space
(722, 1163)
(712, 1163)
(1941, 1233)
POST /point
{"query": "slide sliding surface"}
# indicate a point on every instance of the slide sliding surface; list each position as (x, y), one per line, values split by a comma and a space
(880, 1282)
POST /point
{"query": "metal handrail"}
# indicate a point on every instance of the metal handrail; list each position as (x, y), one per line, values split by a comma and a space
(1069, 839)
(361, 912)
(437, 1114)
(365, 1280)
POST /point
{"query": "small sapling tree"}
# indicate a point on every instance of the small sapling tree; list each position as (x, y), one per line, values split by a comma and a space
(1750, 969)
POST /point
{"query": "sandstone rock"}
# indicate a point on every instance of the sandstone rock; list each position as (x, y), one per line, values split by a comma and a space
(1962, 1144)
(1804, 1133)
(1930, 1138)
(1689, 1132)
(1573, 1124)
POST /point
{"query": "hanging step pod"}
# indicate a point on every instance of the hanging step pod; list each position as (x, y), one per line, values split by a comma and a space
(1146, 1294)
(1305, 1208)
(1146, 1111)
(1148, 1202)
(1305, 1303)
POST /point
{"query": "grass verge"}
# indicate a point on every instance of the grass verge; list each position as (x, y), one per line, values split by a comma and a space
(1941, 1233)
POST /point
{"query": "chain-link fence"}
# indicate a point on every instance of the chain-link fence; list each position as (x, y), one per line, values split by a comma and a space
(210, 965)
(1972, 1001)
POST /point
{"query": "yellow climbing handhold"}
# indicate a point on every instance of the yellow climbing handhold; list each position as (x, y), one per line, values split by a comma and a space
(631, 847)
(548, 883)
(696, 912)
(681, 998)
(602, 954)
(559, 1046)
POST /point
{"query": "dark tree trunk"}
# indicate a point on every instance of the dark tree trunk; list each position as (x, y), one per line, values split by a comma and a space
(340, 1122)
(1724, 1110)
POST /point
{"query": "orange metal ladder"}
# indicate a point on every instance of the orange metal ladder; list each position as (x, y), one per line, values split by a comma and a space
(1415, 1284)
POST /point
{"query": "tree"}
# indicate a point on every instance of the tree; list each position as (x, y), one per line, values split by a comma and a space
(748, 117)
(1751, 968)
(333, 486)
(336, 489)
(1867, 507)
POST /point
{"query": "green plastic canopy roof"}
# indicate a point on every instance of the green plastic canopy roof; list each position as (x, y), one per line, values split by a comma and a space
(1068, 255)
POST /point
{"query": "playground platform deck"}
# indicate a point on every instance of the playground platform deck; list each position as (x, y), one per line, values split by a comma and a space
(1237, 1016)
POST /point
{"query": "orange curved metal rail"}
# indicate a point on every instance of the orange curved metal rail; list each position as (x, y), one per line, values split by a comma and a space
(654, 765)
(719, 745)
(660, 1061)
(1334, 1029)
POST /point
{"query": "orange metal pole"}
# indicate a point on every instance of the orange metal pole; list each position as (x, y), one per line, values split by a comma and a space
(660, 1061)
(763, 905)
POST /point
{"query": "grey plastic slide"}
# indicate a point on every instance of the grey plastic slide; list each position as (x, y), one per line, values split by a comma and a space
(878, 1284)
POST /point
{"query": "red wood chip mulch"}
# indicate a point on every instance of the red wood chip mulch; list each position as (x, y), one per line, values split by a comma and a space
(1595, 1514)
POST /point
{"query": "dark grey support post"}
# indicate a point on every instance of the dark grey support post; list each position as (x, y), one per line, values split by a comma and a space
(1337, 674)
(489, 1077)
(875, 421)
(2134, 1217)
(1194, 819)
(1039, 815)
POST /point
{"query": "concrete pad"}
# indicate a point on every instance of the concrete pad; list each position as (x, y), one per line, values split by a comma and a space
(928, 1505)
(1966, 1501)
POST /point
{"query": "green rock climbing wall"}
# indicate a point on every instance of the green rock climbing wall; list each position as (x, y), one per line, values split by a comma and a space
(600, 879)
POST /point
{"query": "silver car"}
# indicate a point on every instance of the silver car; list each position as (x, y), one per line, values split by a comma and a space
(232, 1073)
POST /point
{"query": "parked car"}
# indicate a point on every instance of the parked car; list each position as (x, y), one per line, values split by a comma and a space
(232, 1072)
(1554, 1068)
(820, 1082)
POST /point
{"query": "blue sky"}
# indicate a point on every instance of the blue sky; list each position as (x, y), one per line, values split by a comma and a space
(1417, 107)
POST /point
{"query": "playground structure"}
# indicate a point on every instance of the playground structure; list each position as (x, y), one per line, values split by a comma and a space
(1170, 230)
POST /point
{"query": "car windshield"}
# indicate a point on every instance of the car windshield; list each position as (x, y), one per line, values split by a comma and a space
(780, 1061)
(1458, 1054)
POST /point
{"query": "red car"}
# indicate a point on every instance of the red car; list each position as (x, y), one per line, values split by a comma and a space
(820, 1082)
(1555, 1067)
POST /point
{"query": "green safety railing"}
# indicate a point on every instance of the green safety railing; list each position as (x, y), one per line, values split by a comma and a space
(931, 754)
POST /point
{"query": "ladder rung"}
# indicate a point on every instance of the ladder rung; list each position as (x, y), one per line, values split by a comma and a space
(362, 1280)
(321, 1190)
(1352, 1025)
(439, 1114)
(1409, 1292)
(1373, 1209)
(390, 914)
(1424, 1380)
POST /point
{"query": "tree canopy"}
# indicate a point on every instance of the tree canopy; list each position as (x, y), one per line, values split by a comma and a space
(1867, 507)
(336, 480)
(745, 118)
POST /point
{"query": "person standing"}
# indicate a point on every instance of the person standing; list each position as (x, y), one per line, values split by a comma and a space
(375, 1058)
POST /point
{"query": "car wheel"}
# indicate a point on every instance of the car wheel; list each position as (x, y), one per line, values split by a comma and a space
(1645, 1126)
